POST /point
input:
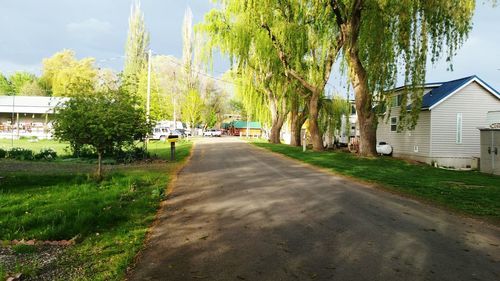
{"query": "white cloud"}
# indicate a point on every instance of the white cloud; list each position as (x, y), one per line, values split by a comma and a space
(88, 27)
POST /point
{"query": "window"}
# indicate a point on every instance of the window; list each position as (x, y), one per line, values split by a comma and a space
(394, 124)
(459, 128)
(396, 100)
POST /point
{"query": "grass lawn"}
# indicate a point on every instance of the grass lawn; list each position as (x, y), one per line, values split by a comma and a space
(59, 147)
(109, 219)
(468, 192)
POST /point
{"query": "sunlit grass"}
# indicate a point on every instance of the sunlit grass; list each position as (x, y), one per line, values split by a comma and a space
(108, 219)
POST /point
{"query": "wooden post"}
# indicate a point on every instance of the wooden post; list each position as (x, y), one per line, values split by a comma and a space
(172, 151)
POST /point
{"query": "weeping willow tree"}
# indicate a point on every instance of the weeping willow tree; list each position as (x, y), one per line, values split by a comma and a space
(330, 117)
(261, 82)
(289, 37)
(254, 102)
(302, 34)
(384, 39)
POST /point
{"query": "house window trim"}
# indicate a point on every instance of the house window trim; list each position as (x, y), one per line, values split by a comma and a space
(396, 100)
(394, 125)
(459, 128)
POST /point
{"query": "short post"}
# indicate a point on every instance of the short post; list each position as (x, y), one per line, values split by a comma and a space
(304, 143)
(172, 151)
(172, 139)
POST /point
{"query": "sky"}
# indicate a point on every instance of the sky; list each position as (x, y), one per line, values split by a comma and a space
(32, 30)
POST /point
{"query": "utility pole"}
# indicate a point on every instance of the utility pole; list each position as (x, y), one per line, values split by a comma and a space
(148, 99)
(174, 101)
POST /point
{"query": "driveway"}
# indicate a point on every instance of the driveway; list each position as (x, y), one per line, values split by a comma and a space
(241, 213)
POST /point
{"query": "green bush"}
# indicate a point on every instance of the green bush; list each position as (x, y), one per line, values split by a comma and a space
(46, 154)
(85, 151)
(131, 154)
(19, 153)
(3, 153)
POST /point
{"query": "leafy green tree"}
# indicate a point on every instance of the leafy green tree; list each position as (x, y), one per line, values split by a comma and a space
(160, 103)
(19, 79)
(5, 86)
(135, 49)
(192, 108)
(215, 101)
(380, 39)
(32, 89)
(67, 76)
(107, 80)
(330, 120)
(106, 122)
(283, 38)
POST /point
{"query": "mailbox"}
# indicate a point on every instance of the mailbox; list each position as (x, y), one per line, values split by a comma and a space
(173, 138)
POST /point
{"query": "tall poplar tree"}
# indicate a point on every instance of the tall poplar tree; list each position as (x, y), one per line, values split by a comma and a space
(135, 49)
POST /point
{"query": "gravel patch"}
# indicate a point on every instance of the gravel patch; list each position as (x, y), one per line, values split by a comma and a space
(41, 264)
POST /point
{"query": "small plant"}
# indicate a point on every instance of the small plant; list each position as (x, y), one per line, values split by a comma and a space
(46, 154)
(3, 153)
(19, 153)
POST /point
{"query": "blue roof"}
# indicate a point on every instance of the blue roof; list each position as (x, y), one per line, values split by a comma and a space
(447, 88)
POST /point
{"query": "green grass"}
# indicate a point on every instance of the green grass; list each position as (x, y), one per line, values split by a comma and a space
(24, 249)
(59, 147)
(108, 219)
(469, 192)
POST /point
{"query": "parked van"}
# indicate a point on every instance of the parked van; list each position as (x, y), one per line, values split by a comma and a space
(160, 132)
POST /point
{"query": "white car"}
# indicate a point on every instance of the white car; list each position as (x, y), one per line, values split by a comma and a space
(212, 133)
(383, 148)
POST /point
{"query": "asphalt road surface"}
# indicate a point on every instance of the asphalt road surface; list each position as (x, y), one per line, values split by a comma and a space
(241, 213)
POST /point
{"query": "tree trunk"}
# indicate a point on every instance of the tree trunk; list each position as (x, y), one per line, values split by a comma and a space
(277, 117)
(316, 138)
(99, 165)
(367, 119)
(297, 119)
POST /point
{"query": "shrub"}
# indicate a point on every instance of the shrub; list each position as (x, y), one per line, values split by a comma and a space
(19, 153)
(46, 154)
(3, 153)
(87, 151)
(131, 154)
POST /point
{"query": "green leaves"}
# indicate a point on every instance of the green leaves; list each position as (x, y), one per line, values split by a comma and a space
(105, 121)
(67, 76)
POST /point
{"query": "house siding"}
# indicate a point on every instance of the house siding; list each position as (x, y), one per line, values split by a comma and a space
(473, 102)
(403, 143)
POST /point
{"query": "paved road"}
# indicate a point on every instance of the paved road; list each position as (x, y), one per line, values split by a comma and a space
(241, 213)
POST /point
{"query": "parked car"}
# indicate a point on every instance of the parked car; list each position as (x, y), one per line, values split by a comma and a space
(212, 133)
(182, 133)
(383, 148)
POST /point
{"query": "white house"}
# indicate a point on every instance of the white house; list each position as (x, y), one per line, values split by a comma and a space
(27, 116)
(447, 130)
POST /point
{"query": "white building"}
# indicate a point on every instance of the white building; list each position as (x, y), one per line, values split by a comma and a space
(447, 130)
(27, 116)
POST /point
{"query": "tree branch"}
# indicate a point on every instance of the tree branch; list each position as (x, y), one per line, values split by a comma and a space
(284, 61)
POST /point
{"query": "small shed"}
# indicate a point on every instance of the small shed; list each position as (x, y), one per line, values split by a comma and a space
(239, 128)
(490, 150)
